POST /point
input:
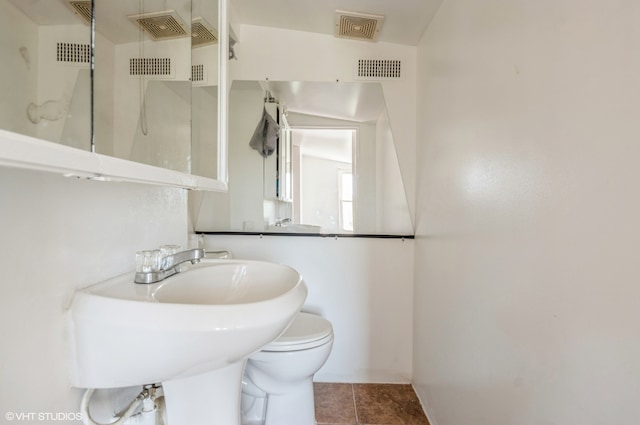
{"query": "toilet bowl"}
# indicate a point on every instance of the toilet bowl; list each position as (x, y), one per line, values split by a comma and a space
(277, 387)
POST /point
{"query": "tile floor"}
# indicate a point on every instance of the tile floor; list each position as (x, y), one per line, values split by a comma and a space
(367, 404)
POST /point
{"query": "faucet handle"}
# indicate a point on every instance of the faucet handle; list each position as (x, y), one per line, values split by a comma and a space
(169, 249)
(148, 261)
(167, 255)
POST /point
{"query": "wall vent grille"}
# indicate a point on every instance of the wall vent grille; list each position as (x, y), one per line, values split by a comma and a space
(150, 66)
(73, 53)
(197, 73)
(379, 68)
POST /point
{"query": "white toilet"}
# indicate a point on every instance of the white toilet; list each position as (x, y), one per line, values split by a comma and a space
(277, 387)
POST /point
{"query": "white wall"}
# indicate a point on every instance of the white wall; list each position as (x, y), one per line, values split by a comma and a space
(166, 103)
(392, 208)
(31, 74)
(18, 73)
(59, 234)
(320, 183)
(363, 286)
(60, 84)
(246, 166)
(526, 293)
(204, 131)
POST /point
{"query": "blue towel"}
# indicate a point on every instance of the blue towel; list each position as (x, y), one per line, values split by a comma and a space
(265, 137)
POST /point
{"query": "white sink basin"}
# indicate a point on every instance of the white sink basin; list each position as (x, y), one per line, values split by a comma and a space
(209, 316)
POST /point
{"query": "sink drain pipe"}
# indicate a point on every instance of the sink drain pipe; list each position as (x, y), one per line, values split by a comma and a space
(146, 398)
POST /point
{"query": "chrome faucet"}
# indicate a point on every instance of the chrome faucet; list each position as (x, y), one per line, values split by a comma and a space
(153, 266)
(282, 221)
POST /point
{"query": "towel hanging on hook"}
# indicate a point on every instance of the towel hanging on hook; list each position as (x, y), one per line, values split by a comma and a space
(265, 136)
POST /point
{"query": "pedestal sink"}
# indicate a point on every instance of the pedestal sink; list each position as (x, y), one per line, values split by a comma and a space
(191, 332)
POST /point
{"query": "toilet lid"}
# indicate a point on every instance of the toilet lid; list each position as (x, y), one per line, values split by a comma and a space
(306, 331)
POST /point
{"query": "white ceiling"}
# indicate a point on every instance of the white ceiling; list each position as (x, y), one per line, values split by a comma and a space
(360, 102)
(113, 22)
(47, 12)
(331, 144)
(404, 20)
(357, 102)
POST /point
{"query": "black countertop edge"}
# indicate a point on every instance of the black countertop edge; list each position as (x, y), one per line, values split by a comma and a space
(318, 235)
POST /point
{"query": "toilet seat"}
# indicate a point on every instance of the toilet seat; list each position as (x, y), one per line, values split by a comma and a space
(305, 332)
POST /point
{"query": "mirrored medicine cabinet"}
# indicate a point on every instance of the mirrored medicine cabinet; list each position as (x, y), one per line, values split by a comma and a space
(148, 110)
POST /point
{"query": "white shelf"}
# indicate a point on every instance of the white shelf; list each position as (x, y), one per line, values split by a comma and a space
(20, 151)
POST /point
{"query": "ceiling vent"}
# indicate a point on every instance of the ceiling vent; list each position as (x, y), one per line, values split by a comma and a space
(357, 26)
(202, 33)
(82, 9)
(161, 25)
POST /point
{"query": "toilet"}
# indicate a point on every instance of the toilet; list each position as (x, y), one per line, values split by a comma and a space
(277, 386)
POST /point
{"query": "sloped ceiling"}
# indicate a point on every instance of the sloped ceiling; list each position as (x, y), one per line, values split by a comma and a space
(404, 20)
(404, 23)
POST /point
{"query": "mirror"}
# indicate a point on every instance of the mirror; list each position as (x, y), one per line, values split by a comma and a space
(45, 77)
(205, 59)
(334, 170)
(156, 62)
(142, 81)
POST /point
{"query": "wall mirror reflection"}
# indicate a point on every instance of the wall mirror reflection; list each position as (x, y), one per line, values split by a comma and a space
(142, 81)
(334, 169)
(45, 77)
(204, 93)
(156, 62)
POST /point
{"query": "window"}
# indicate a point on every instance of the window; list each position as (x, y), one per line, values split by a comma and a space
(345, 193)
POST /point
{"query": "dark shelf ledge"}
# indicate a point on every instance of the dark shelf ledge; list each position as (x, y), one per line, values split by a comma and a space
(318, 235)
